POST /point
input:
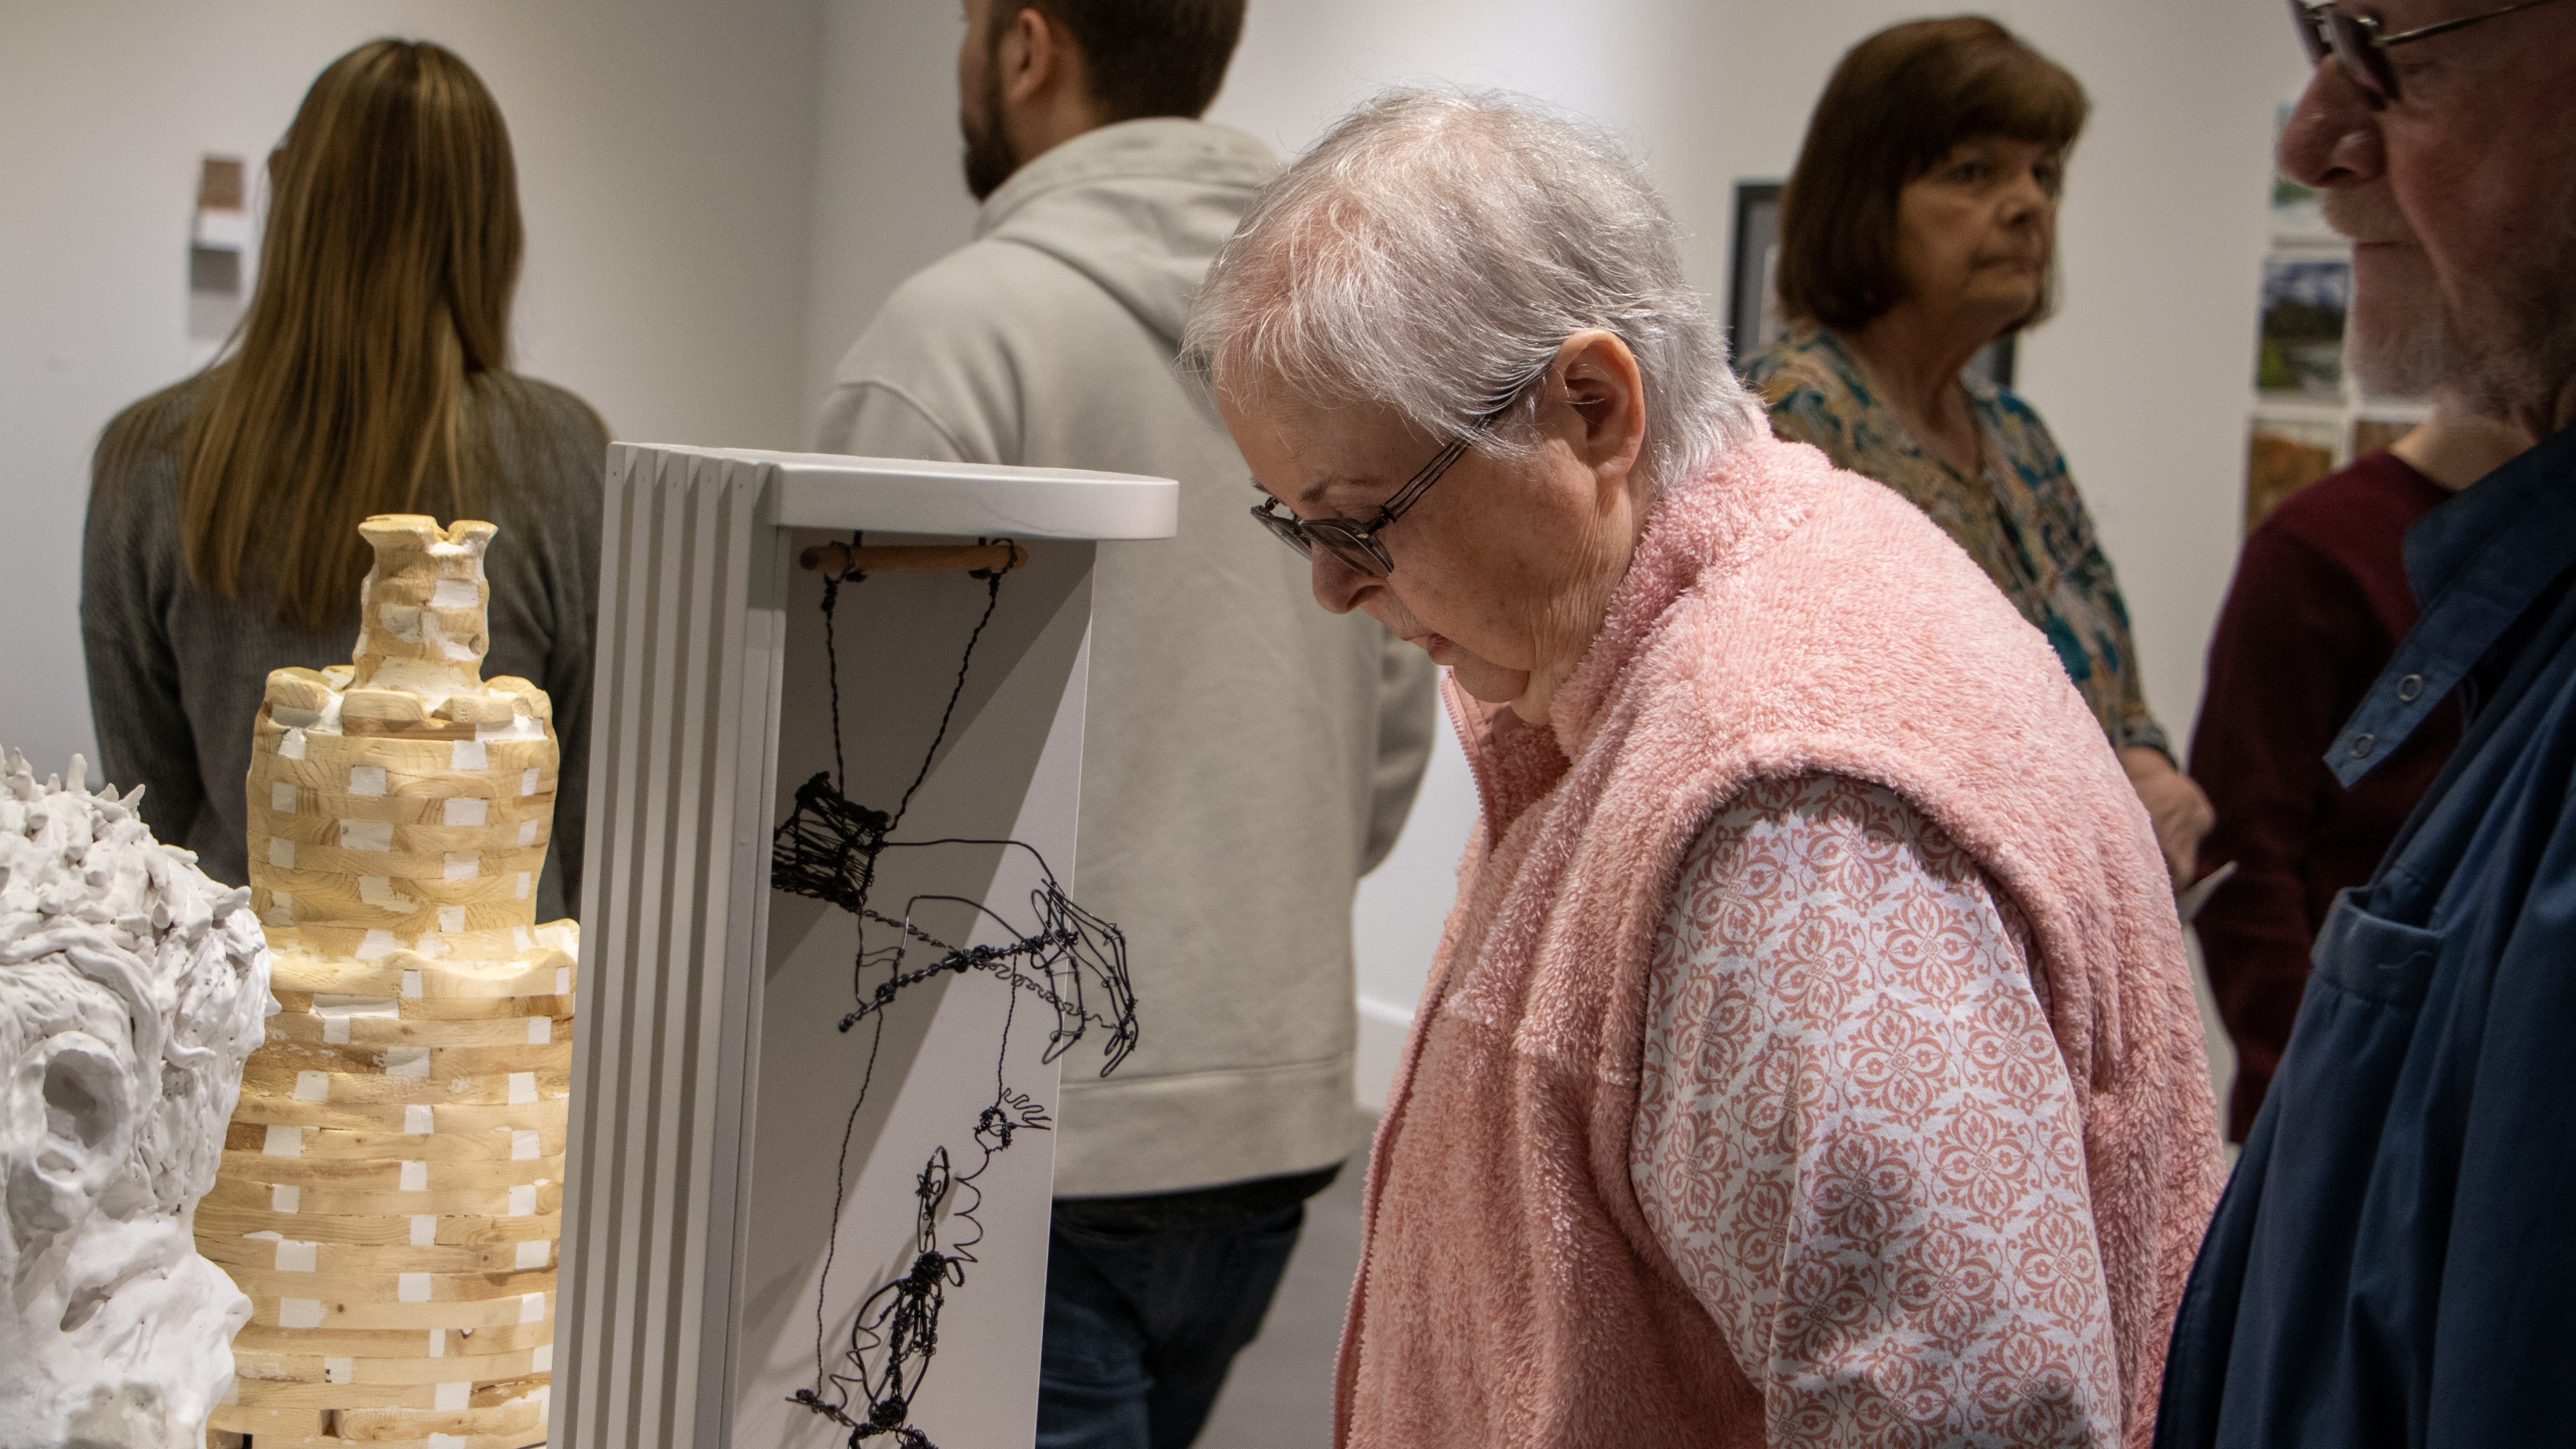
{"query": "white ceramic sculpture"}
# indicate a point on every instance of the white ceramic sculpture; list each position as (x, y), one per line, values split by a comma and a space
(132, 988)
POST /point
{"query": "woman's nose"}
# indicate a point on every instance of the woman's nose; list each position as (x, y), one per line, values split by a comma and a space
(1338, 586)
(2027, 197)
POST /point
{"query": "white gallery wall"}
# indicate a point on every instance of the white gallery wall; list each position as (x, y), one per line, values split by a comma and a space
(664, 152)
(719, 195)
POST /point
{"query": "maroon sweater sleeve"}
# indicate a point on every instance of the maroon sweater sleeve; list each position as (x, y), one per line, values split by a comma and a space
(2318, 605)
(2278, 666)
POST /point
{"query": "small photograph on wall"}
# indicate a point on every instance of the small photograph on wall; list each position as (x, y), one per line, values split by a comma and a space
(219, 260)
(2282, 456)
(2370, 435)
(2304, 303)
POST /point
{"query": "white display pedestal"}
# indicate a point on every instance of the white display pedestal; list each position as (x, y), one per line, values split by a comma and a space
(711, 1086)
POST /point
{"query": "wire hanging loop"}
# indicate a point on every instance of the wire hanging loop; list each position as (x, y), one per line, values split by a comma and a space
(989, 556)
(828, 846)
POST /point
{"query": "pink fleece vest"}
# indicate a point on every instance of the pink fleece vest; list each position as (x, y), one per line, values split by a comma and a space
(1780, 618)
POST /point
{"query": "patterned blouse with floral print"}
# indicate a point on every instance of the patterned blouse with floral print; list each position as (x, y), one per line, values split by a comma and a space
(2020, 519)
(1855, 1137)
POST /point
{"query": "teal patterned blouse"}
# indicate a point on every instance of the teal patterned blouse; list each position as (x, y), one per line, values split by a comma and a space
(2020, 519)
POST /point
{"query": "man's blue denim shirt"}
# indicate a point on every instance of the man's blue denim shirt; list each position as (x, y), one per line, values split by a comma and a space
(2477, 564)
(2392, 1263)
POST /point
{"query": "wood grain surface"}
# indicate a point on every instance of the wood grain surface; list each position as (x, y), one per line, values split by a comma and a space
(390, 1193)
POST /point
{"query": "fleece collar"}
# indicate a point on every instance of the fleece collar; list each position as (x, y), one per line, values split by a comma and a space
(1702, 529)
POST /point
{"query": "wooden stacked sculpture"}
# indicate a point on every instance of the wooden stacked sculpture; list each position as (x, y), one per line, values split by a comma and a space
(391, 1192)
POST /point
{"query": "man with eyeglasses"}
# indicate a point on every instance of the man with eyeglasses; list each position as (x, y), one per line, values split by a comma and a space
(2392, 1262)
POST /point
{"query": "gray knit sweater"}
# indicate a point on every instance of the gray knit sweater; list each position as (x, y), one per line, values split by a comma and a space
(176, 675)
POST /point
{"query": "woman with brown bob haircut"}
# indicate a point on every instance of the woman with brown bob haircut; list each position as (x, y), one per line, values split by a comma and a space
(1920, 226)
(368, 376)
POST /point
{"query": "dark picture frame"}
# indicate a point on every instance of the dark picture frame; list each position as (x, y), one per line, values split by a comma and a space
(1750, 265)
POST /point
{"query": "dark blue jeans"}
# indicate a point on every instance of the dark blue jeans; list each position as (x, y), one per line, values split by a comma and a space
(1148, 1301)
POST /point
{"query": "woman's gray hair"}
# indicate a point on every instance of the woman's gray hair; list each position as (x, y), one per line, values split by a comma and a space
(1434, 250)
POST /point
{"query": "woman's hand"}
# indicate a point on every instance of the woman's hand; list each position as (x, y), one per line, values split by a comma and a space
(2180, 812)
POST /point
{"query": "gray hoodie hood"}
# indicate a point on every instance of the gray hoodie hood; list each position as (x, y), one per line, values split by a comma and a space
(1139, 207)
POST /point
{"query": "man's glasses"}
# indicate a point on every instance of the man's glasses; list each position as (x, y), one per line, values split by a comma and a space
(2355, 40)
(1353, 541)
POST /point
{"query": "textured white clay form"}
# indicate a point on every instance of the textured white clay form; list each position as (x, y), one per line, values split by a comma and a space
(132, 988)
(392, 1196)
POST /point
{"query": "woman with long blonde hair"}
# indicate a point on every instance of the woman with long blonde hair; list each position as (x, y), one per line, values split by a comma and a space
(370, 376)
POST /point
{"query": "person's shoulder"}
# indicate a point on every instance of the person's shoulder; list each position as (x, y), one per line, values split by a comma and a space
(1802, 361)
(1823, 815)
(544, 407)
(2004, 402)
(1807, 392)
(136, 464)
(540, 395)
(984, 281)
(2364, 506)
(549, 453)
(1821, 795)
(154, 425)
(2011, 413)
(2375, 480)
(972, 309)
(2028, 447)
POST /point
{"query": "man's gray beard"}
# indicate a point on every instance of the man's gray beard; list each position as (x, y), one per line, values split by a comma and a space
(2409, 360)
(2521, 370)
(2504, 371)
(2522, 378)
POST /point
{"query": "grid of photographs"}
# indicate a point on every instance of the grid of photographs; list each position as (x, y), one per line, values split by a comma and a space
(2309, 416)
(2305, 300)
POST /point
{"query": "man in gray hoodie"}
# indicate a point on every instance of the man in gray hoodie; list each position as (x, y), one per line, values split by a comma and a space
(1248, 756)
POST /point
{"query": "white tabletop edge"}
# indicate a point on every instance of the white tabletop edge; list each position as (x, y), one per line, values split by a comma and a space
(895, 495)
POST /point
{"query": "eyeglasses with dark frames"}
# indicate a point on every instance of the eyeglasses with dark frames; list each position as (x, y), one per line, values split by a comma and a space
(2355, 40)
(1354, 541)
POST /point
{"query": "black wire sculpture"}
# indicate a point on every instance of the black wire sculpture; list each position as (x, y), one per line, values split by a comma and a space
(1073, 962)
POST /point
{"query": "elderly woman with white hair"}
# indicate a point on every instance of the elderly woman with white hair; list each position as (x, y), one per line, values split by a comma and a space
(1810, 1057)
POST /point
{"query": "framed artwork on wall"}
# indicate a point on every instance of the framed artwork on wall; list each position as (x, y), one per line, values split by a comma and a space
(2284, 454)
(2305, 300)
(1753, 319)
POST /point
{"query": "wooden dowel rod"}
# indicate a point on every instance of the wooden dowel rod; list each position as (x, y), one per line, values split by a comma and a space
(896, 558)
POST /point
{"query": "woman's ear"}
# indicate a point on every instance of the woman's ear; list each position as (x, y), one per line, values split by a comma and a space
(1598, 377)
